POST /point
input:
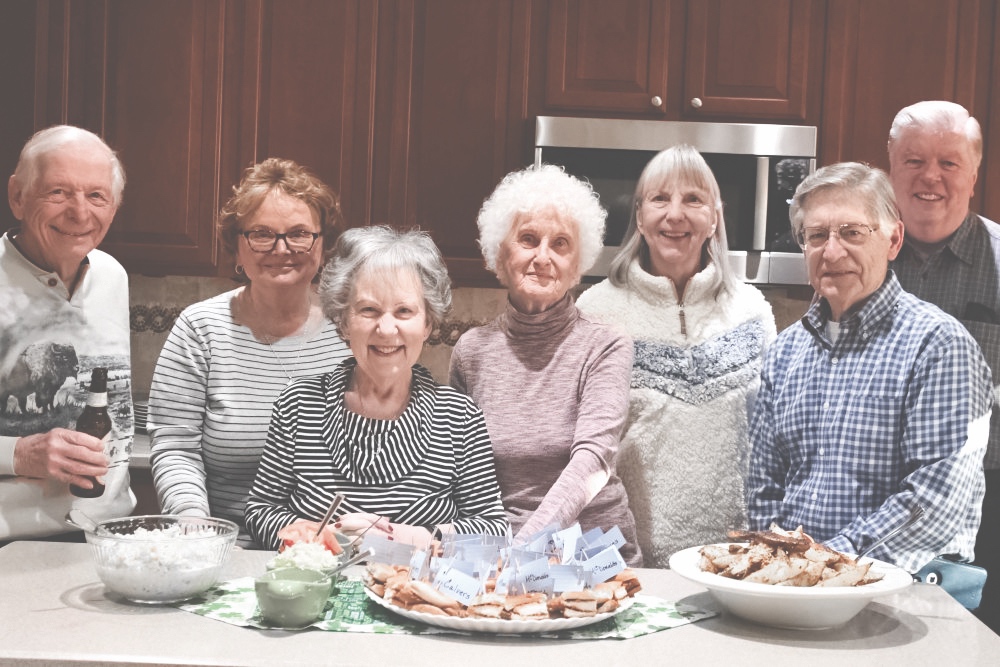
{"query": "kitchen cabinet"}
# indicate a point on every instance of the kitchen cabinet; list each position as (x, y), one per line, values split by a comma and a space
(17, 81)
(147, 77)
(988, 186)
(753, 60)
(882, 56)
(191, 93)
(758, 60)
(609, 56)
(303, 89)
(450, 107)
(413, 110)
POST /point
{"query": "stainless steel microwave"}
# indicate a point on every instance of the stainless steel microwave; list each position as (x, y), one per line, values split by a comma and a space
(758, 167)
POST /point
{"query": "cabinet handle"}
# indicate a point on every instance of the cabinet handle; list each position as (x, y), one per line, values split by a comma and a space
(696, 102)
(657, 101)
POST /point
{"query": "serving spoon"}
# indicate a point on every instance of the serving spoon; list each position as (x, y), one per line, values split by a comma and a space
(78, 519)
(916, 513)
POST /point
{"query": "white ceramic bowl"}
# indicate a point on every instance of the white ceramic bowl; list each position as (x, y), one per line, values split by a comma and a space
(791, 607)
(158, 559)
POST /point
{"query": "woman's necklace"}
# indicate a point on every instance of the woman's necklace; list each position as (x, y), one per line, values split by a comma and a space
(274, 353)
(303, 331)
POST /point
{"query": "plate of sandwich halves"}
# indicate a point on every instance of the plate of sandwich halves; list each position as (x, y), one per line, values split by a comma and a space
(505, 614)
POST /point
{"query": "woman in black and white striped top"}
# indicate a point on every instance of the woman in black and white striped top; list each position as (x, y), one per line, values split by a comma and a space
(412, 457)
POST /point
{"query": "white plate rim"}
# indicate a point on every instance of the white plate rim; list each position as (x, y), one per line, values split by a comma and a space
(499, 625)
(685, 563)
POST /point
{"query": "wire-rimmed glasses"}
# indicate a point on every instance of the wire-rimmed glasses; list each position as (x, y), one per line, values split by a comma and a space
(265, 240)
(851, 233)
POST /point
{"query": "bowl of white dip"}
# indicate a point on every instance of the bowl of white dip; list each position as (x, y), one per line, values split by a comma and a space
(159, 559)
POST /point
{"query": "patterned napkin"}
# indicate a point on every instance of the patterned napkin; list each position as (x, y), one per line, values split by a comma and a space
(350, 610)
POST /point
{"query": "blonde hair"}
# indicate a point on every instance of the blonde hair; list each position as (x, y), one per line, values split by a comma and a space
(677, 164)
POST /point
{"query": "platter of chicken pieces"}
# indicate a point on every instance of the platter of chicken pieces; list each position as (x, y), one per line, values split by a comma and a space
(391, 587)
(785, 579)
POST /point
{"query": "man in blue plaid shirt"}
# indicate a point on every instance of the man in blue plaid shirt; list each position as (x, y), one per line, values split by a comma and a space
(875, 402)
(951, 257)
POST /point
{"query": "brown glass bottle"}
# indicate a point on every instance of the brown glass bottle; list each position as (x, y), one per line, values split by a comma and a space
(95, 421)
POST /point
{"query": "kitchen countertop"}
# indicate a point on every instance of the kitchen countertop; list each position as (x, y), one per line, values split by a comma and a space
(54, 611)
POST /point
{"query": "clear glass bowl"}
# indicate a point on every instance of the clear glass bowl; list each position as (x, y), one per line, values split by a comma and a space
(158, 559)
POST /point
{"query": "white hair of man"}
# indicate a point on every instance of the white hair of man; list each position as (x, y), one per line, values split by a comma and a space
(860, 183)
(939, 116)
(52, 139)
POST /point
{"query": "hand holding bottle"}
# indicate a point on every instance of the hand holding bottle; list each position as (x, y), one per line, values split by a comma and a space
(68, 456)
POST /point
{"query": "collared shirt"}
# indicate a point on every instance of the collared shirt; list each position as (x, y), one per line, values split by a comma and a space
(963, 280)
(848, 436)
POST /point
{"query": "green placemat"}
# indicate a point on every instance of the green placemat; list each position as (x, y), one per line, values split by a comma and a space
(350, 610)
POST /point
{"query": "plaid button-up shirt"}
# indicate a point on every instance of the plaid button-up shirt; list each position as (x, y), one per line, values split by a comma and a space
(963, 280)
(848, 436)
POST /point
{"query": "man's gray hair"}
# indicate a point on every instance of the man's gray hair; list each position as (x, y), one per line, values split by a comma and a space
(868, 186)
(385, 252)
(51, 140)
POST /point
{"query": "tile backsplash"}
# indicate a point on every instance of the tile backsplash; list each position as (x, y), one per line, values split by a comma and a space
(156, 302)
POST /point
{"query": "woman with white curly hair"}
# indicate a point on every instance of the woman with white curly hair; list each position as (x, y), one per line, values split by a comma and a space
(552, 384)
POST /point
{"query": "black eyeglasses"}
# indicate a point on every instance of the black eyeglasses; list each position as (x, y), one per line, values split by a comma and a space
(264, 240)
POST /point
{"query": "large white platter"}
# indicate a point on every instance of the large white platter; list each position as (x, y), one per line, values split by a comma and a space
(798, 608)
(498, 625)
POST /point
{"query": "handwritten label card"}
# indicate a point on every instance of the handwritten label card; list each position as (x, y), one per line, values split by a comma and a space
(457, 585)
(604, 565)
(533, 577)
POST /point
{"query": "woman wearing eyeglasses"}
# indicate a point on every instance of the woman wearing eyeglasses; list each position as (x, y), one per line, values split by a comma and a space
(699, 339)
(227, 358)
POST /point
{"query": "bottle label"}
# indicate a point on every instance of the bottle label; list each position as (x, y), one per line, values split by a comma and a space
(97, 400)
(106, 444)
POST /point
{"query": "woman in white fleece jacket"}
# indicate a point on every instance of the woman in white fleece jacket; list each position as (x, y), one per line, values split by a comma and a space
(699, 339)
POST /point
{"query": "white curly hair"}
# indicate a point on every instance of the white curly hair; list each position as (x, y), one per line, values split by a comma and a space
(541, 188)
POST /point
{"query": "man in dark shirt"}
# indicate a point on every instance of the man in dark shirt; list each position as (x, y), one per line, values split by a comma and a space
(951, 258)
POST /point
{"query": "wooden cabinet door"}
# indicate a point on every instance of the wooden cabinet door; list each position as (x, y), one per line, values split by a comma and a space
(450, 116)
(882, 56)
(147, 77)
(987, 200)
(608, 56)
(304, 92)
(754, 60)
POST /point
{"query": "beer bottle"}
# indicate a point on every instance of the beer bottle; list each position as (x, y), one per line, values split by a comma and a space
(95, 421)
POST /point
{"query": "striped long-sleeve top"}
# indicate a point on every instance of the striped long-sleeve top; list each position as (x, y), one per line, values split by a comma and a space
(210, 404)
(432, 465)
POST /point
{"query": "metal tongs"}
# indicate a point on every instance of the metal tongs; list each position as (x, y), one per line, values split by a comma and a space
(916, 513)
(356, 558)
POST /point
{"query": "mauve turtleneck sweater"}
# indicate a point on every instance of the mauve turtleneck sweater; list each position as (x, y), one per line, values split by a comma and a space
(554, 387)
